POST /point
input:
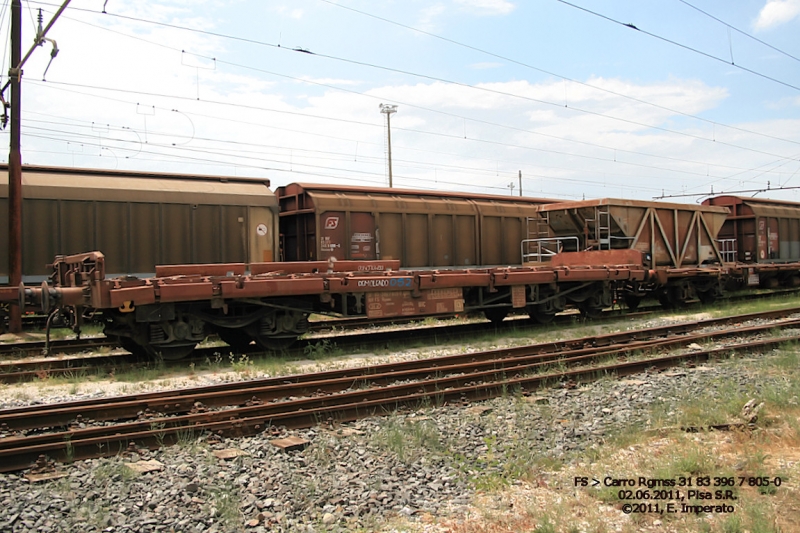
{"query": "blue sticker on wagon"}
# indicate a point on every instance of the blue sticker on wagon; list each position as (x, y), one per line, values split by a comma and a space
(400, 283)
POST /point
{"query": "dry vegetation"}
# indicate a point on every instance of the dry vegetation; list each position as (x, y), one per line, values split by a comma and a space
(545, 498)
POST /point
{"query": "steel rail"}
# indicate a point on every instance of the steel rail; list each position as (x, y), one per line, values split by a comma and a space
(20, 371)
(343, 407)
(498, 373)
(473, 370)
(48, 415)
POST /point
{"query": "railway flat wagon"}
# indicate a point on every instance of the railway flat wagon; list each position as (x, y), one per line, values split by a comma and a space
(139, 219)
(678, 242)
(420, 229)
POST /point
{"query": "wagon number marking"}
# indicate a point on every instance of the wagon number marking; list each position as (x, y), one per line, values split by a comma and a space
(392, 282)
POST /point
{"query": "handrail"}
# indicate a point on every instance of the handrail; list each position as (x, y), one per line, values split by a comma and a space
(727, 250)
(543, 251)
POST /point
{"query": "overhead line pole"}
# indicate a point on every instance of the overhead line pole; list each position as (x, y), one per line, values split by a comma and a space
(15, 152)
(15, 167)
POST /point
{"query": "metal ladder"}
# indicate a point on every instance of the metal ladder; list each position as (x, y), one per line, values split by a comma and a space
(603, 228)
(598, 229)
(537, 228)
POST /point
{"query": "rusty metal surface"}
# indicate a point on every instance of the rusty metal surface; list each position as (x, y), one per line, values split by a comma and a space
(764, 230)
(15, 420)
(467, 381)
(9, 294)
(599, 257)
(295, 189)
(421, 229)
(102, 293)
(395, 303)
(310, 267)
(671, 235)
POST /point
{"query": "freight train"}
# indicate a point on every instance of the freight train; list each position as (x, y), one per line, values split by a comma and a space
(140, 220)
(355, 251)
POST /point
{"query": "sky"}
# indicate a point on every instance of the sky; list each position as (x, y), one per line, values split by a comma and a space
(583, 98)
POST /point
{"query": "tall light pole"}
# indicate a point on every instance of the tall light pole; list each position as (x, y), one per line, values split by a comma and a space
(388, 109)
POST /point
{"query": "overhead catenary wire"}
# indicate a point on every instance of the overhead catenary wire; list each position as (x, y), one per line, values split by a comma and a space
(680, 45)
(734, 28)
(551, 73)
(364, 176)
(570, 140)
(345, 156)
(376, 161)
(437, 134)
(434, 78)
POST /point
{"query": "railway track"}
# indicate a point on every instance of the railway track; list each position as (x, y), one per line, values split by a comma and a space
(339, 325)
(20, 370)
(112, 359)
(68, 346)
(238, 409)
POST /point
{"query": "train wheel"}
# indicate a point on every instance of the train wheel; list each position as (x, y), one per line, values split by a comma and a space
(237, 339)
(707, 297)
(542, 317)
(495, 315)
(275, 344)
(589, 311)
(770, 283)
(171, 353)
(667, 299)
(132, 346)
(632, 302)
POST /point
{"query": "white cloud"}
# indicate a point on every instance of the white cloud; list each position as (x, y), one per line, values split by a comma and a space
(427, 17)
(489, 7)
(331, 81)
(296, 14)
(777, 12)
(292, 131)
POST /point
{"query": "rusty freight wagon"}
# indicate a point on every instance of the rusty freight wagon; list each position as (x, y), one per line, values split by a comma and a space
(419, 228)
(139, 219)
(765, 235)
(678, 242)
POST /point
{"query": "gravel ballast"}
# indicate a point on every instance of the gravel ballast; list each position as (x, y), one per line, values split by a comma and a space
(409, 465)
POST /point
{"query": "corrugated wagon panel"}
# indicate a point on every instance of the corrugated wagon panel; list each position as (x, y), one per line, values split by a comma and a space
(421, 228)
(442, 240)
(40, 236)
(175, 230)
(77, 225)
(465, 241)
(207, 234)
(112, 236)
(234, 233)
(416, 240)
(512, 237)
(145, 226)
(390, 236)
(492, 241)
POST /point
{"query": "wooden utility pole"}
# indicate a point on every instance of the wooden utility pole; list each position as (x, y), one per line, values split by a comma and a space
(15, 166)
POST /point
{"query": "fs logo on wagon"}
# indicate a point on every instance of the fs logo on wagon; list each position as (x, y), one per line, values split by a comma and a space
(331, 222)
